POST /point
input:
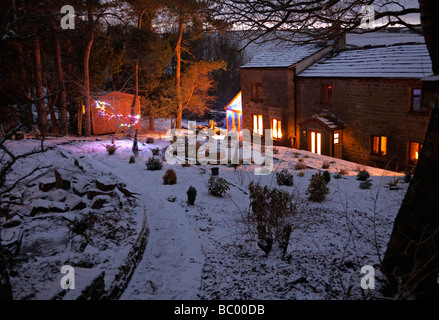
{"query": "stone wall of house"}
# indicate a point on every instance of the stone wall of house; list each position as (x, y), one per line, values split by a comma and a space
(277, 101)
(368, 106)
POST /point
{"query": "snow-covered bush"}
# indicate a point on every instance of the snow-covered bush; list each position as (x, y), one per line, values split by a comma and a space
(155, 151)
(365, 184)
(284, 178)
(317, 189)
(271, 215)
(326, 176)
(170, 177)
(363, 175)
(217, 186)
(149, 140)
(326, 164)
(111, 148)
(191, 195)
(154, 163)
(300, 166)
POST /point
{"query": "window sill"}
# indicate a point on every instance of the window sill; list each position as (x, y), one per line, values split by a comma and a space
(377, 157)
(418, 113)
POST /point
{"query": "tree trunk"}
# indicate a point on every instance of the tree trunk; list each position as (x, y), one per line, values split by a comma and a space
(87, 102)
(178, 76)
(136, 91)
(41, 108)
(151, 122)
(63, 122)
(55, 127)
(411, 262)
(5, 285)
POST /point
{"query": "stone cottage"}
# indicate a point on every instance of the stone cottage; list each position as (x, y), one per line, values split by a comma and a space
(361, 104)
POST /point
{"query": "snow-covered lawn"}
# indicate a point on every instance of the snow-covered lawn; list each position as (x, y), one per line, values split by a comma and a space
(207, 251)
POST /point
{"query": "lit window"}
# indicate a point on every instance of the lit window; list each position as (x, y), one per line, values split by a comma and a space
(326, 94)
(257, 124)
(277, 129)
(256, 91)
(379, 145)
(416, 101)
(414, 150)
(316, 142)
(336, 138)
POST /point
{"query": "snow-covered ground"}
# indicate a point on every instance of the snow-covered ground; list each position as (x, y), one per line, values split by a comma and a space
(207, 251)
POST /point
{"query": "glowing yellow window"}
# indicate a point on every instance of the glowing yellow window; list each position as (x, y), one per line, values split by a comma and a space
(414, 150)
(336, 138)
(257, 124)
(316, 142)
(277, 129)
(379, 145)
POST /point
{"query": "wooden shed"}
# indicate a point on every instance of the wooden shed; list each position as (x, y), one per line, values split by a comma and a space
(111, 112)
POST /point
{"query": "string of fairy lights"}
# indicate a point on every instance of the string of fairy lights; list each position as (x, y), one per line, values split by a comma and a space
(124, 120)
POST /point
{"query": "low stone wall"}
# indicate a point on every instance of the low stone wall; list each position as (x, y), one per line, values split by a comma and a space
(128, 267)
(97, 290)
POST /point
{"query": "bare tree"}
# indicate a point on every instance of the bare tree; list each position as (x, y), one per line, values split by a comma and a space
(411, 262)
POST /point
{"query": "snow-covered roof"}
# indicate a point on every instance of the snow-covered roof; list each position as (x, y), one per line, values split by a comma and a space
(393, 61)
(326, 120)
(282, 56)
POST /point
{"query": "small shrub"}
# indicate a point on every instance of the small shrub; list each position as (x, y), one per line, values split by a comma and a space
(327, 176)
(393, 185)
(111, 148)
(317, 189)
(149, 140)
(170, 177)
(343, 172)
(296, 154)
(301, 160)
(326, 164)
(154, 163)
(301, 174)
(191, 195)
(365, 184)
(217, 186)
(300, 166)
(408, 176)
(271, 214)
(363, 175)
(155, 151)
(132, 159)
(284, 178)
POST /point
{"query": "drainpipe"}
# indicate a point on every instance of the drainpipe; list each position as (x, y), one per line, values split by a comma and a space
(295, 104)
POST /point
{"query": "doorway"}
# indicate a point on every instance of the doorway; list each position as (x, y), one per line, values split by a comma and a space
(316, 142)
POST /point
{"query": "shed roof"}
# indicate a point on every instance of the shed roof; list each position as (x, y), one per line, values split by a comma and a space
(410, 60)
(282, 56)
(327, 120)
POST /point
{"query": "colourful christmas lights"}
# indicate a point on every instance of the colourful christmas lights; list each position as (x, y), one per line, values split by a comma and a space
(124, 120)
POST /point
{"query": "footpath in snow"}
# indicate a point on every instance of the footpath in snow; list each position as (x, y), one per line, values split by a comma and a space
(172, 263)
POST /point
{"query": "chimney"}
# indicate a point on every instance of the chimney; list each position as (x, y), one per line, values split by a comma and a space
(338, 36)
